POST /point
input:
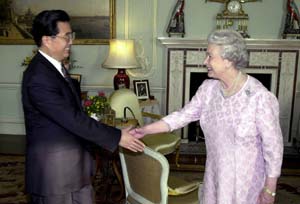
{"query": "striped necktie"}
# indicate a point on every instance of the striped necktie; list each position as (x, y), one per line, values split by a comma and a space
(71, 84)
(65, 72)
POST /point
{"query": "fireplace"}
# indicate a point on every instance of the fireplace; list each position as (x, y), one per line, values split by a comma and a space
(273, 62)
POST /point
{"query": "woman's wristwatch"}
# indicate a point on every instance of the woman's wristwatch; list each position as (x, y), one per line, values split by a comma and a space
(268, 191)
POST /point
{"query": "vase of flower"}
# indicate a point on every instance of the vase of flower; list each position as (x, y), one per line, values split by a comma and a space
(95, 106)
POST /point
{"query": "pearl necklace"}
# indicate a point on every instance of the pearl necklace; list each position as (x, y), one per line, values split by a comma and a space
(230, 91)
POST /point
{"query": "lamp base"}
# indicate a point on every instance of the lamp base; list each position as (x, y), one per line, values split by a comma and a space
(121, 80)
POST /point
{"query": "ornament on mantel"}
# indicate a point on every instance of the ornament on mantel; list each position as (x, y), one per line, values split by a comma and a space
(176, 23)
(233, 16)
(292, 21)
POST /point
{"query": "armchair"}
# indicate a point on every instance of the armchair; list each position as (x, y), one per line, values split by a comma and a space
(126, 105)
(147, 180)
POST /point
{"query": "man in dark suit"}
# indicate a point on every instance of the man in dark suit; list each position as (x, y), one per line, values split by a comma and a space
(58, 163)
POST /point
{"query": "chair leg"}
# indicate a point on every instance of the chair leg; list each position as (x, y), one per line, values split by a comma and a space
(177, 156)
(119, 176)
(98, 165)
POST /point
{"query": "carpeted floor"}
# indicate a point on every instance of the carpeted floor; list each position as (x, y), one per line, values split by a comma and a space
(12, 180)
(12, 184)
(288, 188)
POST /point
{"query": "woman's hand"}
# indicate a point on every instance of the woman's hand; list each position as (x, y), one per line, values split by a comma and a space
(152, 128)
(265, 198)
(137, 132)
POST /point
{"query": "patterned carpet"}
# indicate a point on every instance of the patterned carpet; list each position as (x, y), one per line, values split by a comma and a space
(288, 189)
(12, 184)
(12, 180)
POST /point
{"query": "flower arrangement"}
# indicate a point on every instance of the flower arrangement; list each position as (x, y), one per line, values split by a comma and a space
(68, 62)
(96, 105)
(28, 59)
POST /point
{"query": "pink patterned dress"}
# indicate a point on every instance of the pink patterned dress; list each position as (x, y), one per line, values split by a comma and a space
(243, 140)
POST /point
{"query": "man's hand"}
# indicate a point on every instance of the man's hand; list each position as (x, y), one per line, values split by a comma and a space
(130, 142)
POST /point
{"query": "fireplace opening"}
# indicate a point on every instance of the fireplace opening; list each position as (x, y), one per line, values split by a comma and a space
(194, 131)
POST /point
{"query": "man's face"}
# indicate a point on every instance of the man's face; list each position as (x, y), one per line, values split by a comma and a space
(59, 46)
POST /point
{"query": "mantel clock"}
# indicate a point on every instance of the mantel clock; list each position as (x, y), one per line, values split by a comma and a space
(233, 16)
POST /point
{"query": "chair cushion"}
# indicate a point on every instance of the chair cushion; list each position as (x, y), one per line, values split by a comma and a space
(164, 143)
(178, 186)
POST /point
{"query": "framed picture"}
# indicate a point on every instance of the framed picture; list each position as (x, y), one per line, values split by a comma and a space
(93, 21)
(141, 89)
(77, 77)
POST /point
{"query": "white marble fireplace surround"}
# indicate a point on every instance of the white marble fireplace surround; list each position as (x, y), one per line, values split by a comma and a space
(280, 58)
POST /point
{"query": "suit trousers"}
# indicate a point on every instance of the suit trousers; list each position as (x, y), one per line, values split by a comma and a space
(84, 196)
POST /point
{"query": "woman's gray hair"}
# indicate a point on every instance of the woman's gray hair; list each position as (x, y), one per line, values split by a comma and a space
(233, 46)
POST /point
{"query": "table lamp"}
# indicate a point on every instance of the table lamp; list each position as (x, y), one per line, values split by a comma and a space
(121, 56)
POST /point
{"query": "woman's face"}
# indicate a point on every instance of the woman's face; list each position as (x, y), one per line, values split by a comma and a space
(216, 65)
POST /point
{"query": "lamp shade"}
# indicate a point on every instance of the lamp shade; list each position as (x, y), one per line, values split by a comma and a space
(121, 55)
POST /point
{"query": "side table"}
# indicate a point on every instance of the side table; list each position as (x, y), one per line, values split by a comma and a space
(113, 157)
(149, 106)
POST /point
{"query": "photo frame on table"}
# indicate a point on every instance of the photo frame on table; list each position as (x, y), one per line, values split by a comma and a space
(141, 88)
(77, 77)
(93, 21)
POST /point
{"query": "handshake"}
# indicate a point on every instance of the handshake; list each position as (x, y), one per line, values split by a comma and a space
(130, 139)
(130, 136)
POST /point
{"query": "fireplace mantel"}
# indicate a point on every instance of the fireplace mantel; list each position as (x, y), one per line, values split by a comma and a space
(279, 57)
(194, 43)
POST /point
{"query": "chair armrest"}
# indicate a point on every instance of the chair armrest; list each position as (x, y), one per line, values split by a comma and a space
(178, 186)
(152, 115)
(165, 143)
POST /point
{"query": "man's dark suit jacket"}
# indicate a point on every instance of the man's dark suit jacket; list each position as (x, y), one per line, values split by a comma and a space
(57, 131)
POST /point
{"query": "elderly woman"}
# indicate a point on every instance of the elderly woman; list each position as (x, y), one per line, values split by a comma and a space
(240, 121)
